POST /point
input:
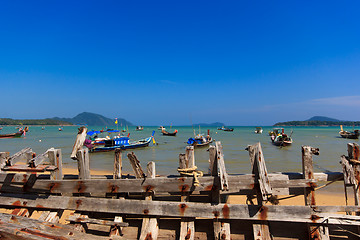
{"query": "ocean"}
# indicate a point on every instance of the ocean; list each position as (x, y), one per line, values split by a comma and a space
(165, 153)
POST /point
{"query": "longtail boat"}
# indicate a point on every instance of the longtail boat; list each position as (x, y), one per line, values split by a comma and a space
(14, 135)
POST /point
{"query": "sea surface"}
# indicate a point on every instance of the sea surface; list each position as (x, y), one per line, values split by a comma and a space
(166, 151)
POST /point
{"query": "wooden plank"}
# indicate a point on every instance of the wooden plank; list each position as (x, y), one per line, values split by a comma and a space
(213, 166)
(82, 157)
(117, 164)
(19, 156)
(76, 219)
(221, 230)
(239, 184)
(262, 180)
(224, 185)
(19, 228)
(79, 142)
(135, 163)
(36, 160)
(261, 231)
(305, 214)
(55, 159)
(149, 227)
(353, 154)
(187, 225)
(26, 168)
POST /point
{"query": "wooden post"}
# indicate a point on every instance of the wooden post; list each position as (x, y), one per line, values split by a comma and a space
(135, 163)
(117, 164)
(79, 142)
(55, 158)
(149, 228)
(217, 168)
(187, 225)
(116, 230)
(353, 158)
(82, 157)
(319, 231)
(263, 188)
(3, 158)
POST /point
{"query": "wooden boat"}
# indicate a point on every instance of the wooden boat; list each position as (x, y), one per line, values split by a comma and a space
(99, 137)
(139, 128)
(281, 139)
(200, 140)
(60, 128)
(258, 130)
(161, 128)
(123, 143)
(226, 129)
(15, 135)
(166, 133)
(347, 134)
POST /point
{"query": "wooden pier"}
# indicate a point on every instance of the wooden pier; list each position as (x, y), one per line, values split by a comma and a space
(39, 202)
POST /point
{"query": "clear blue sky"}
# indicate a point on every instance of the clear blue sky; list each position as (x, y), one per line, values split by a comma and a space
(162, 62)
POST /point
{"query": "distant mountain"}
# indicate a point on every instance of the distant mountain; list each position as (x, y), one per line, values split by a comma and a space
(319, 121)
(47, 121)
(321, 118)
(94, 119)
(215, 124)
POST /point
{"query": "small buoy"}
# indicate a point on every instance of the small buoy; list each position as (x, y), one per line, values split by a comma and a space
(40, 140)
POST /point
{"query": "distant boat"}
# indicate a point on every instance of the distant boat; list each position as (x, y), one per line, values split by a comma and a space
(226, 129)
(258, 130)
(43, 128)
(15, 135)
(281, 139)
(347, 134)
(139, 128)
(166, 133)
(161, 128)
(60, 128)
(123, 143)
(200, 140)
(99, 137)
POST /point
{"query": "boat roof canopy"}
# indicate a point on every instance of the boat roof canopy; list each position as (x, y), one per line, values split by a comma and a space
(97, 132)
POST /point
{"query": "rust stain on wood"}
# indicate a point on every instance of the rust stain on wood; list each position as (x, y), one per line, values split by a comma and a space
(16, 203)
(259, 156)
(210, 188)
(78, 203)
(263, 213)
(39, 206)
(356, 153)
(148, 236)
(182, 207)
(113, 188)
(184, 188)
(314, 218)
(16, 211)
(14, 219)
(223, 236)
(216, 214)
(148, 188)
(146, 211)
(182, 180)
(188, 234)
(80, 187)
(226, 211)
(53, 186)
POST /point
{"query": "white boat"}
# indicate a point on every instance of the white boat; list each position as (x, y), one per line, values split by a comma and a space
(258, 130)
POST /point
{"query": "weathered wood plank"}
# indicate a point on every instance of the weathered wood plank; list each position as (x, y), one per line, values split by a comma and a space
(3, 158)
(224, 185)
(36, 160)
(135, 163)
(305, 214)
(221, 230)
(74, 218)
(82, 157)
(22, 156)
(55, 159)
(261, 231)
(149, 227)
(19, 228)
(117, 164)
(79, 142)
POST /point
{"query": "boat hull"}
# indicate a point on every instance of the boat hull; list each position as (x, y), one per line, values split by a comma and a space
(12, 135)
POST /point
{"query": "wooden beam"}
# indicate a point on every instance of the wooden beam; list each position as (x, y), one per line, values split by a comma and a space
(55, 159)
(82, 157)
(3, 159)
(305, 214)
(135, 163)
(19, 156)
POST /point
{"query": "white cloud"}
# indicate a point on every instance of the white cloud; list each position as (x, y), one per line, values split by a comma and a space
(350, 101)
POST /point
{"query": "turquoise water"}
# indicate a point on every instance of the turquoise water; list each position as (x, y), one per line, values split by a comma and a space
(166, 153)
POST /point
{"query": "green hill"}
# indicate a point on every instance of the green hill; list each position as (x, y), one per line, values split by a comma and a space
(47, 121)
(94, 119)
(319, 121)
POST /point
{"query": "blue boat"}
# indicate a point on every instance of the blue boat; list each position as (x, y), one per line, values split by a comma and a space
(123, 143)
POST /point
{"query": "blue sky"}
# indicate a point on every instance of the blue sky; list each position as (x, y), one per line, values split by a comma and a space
(163, 62)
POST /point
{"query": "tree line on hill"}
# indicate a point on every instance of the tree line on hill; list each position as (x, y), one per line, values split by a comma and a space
(318, 123)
